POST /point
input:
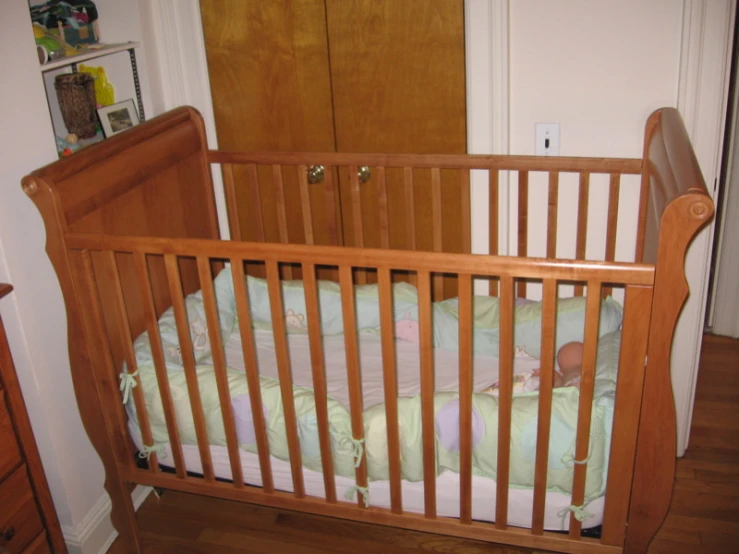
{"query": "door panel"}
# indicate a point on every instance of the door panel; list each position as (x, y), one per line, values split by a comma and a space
(398, 79)
(271, 88)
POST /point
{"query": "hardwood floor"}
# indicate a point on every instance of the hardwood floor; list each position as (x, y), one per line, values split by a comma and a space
(704, 514)
(703, 517)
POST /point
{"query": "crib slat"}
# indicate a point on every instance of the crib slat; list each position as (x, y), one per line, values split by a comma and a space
(129, 355)
(523, 223)
(102, 363)
(641, 226)
(256, 199)
(219, 368)
(612, 228)
(248, 346)
(437, 228)
(637, 308)
(410, 208)
(390, 382)
(582, 222)
(313, 314)
(465, 398)
(229, 188)
(545, 403)
(354, 377)
(505, 401)
(494, 220)
(277, 311)
(381, 181)
(356, 197)
(466, 213)
(155, 340)
(552, 214)
(279, 188)
(305, 203)
(584, 409)
(188, 362)
(335, 233)
(427, 394)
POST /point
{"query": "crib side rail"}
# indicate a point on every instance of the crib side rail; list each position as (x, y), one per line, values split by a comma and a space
(89, 251)
(535, 206)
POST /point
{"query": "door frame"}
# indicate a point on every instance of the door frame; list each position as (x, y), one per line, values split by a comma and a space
(723, 312)
(175, 47)
(486, 60)
(702, 99)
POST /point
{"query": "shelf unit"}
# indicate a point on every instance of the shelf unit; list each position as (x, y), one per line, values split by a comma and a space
(97, 51)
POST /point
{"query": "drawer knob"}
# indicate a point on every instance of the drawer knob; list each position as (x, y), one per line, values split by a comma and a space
(7, 534)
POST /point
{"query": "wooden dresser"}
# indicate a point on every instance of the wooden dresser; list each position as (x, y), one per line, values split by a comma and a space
(28, 522)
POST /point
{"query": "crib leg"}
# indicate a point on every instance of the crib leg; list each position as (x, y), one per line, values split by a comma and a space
(123, 515)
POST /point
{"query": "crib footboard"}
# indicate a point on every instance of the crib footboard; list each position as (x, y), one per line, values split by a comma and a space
(98, 259)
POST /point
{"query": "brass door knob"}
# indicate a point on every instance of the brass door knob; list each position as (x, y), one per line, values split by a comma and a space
(315, 174)
(364, 174)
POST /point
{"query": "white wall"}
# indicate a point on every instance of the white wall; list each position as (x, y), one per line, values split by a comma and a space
(583, 65)
(34, 314)
(599, 69)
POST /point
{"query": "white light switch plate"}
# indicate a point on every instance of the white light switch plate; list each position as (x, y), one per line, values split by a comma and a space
(547, 139)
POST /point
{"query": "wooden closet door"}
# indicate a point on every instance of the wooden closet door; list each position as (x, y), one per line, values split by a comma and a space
(347, 76)
(398, 79)
(269, 76)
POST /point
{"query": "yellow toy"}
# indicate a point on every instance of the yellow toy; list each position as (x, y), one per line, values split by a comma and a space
(52, 44)
(104, 91)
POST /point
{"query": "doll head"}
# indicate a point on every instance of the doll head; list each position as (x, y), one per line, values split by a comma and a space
(569, 359)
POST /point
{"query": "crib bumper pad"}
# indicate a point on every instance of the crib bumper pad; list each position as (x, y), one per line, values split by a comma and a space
(345, 449)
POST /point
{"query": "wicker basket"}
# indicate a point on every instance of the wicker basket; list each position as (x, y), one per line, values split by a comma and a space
(76, 95)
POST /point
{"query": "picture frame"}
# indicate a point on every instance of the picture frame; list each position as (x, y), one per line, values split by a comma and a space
(118, 117)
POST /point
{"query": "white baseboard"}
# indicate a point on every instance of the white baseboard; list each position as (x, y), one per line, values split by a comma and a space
(95, 533)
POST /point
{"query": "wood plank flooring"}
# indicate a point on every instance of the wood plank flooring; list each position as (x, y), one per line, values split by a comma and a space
(703, 517)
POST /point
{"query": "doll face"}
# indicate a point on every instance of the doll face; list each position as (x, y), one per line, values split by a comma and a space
(569, 356)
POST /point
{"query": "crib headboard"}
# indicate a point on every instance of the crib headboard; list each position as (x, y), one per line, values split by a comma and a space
(152, 180)
(674, 206)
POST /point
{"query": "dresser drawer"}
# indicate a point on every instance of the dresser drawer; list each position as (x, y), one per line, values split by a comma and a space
(10, 455)
(20, 521)
(39, 546)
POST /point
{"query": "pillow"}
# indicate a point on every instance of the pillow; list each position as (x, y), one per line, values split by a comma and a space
(570, 324)
(405, 305)
(606, 363)
(195, 307)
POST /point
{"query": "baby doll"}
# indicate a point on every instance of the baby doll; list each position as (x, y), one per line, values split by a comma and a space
(569, 360)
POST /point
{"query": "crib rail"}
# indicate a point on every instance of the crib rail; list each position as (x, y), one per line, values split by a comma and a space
(98, 261)
(423, 202)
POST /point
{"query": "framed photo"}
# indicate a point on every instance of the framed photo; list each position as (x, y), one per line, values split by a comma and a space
(116, 118)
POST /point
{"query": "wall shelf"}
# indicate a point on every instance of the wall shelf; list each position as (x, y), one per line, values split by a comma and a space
(89, 53)
(93, 52)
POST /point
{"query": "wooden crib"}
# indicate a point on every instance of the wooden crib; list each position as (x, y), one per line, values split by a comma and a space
(132, 228)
